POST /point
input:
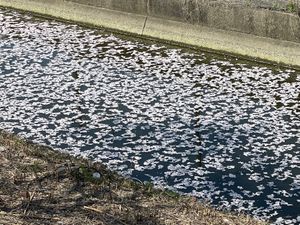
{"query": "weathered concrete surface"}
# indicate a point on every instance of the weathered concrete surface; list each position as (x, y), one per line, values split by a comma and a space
(68, 10)
(210, 24)
(277, 5)
(130, 6)
(238, 43)
(235, 17)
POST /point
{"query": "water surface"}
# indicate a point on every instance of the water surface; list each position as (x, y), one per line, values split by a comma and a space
(218, 128)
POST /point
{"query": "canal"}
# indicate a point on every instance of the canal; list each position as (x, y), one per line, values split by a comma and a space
(219, 128)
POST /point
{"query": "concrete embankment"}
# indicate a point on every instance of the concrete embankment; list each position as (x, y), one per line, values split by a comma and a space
(240, 29)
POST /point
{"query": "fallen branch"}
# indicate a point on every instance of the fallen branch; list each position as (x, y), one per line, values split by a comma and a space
(31, 197)
(92, 209)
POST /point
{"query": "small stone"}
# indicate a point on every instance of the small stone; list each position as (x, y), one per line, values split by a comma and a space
(226, 221)
(61, 170)
(96, 175)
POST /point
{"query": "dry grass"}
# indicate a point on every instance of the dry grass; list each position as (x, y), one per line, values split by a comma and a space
(42, 186)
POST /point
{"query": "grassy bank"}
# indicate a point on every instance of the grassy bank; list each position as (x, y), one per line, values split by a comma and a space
(42, 186)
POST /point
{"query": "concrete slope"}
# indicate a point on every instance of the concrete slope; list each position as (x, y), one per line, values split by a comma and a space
(272, 36)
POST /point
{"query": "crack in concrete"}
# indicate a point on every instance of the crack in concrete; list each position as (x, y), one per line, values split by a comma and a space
(144, 24)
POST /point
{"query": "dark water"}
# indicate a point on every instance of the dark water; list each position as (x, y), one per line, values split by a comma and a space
(220, 129)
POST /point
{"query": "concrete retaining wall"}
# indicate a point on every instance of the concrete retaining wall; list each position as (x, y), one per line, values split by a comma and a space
(227, 15)
(239, 18)
(233, 28)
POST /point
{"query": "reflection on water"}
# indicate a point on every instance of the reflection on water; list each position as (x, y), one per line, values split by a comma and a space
(216, 128)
